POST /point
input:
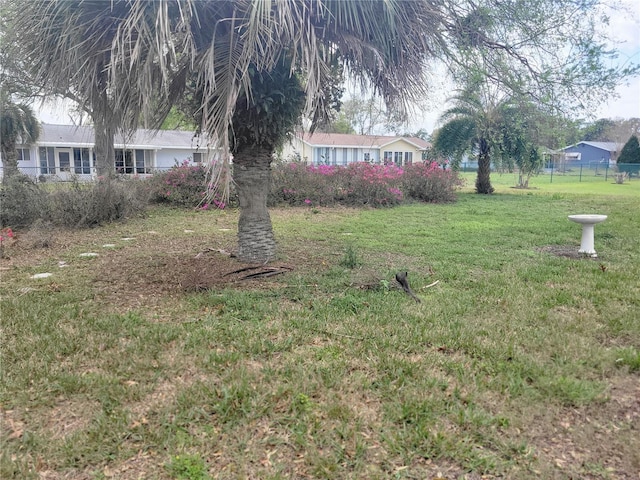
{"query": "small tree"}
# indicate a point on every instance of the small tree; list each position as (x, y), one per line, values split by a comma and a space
(629, 159)
(17, 124)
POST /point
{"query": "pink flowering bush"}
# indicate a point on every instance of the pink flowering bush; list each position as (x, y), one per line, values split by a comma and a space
(368, 184)
(184, 186)
(429, 182)
(294, 183)
(360, 184)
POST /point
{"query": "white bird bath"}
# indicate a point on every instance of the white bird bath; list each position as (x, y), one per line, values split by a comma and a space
(588, 223)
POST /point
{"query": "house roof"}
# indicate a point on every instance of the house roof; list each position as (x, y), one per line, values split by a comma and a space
(607, 146)
(74, 136)
(360, 141)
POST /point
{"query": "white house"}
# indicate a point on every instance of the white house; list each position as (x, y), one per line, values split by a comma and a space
(343, 149)
(63, 151)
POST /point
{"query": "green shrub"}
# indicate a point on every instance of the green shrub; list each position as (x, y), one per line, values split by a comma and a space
(22, 202)
(90, 204)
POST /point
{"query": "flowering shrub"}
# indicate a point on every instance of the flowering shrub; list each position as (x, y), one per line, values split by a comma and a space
(429, 182)
(368, 184)
(360, 184)
(295, 183)
(184, 186)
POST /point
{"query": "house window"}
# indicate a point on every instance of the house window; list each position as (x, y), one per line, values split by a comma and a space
(397, 158)
(124, 161)
(408, 158)
(323, 156)
(388, 157)
(81, 161)
(143, 161)
(344, 156)
(64, 160)
(24, 155)
(367, 157)
(47, 160)
(133, 161)
(197, 157)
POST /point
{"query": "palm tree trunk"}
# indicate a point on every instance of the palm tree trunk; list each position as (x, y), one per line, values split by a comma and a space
(9, 163)
(104, 152)
(252, 176)
(483, 180)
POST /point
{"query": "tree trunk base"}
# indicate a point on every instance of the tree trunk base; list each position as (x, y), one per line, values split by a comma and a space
(256, 242)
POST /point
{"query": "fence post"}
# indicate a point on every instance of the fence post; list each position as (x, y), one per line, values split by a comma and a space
(551, 180)
(580, 174)
(606, 171)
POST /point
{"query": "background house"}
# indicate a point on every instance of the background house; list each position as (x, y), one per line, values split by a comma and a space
(343, 149)
(63, 151)
(591, 154)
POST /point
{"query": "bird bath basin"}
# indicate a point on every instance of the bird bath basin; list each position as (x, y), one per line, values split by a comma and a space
(588, 223)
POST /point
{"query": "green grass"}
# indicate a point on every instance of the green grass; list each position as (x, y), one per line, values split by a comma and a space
(511, 366)
(559, 183)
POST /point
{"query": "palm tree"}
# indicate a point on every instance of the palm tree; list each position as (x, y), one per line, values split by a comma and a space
(66, 48)
(131, 59)
(473, 125)
(146, 50)
(18, 123)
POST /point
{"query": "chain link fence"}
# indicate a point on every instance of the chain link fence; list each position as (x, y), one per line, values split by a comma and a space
(591, 172)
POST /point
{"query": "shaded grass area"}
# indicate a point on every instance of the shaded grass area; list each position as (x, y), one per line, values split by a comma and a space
(518, 363)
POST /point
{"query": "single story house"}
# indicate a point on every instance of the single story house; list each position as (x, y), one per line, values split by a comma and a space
(591, 154)
(63, 151)
(343, 149)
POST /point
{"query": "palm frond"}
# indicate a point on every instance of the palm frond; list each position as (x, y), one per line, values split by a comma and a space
(456, 137)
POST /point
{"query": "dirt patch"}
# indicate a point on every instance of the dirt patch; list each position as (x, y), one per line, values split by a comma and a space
(70, 416)
(597, 441)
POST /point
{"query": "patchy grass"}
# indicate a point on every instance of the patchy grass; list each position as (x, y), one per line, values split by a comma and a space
(153, 360)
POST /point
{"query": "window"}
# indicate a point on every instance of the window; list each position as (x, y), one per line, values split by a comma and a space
(388, 157)
(24, 154)
(143, 161)
(133, 161)
(47, 160)
(367, 157)
(397, 158)
(124, 161)
(197, 157)
(408, 158)
(322, 156)
(64, 160)
(81, 161)
(344, 156)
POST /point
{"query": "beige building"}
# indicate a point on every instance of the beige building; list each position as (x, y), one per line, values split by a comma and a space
(343, 149)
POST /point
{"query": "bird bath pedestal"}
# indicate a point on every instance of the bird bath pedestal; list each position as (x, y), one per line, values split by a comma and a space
(588, 226)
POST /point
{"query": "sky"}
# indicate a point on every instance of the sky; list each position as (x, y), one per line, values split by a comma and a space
(623, 29)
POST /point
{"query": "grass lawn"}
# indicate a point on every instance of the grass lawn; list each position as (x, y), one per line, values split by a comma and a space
(155, 360)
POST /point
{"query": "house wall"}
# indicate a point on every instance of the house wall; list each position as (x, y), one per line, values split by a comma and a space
(159, 160)
(346, 154)
(589, 155)
(169, 157)
(400, 148)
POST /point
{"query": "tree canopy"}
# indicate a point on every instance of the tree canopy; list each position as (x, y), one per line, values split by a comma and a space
(128, 61)
(630, 153)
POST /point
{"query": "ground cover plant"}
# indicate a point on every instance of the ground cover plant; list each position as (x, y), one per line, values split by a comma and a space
(155, 359)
